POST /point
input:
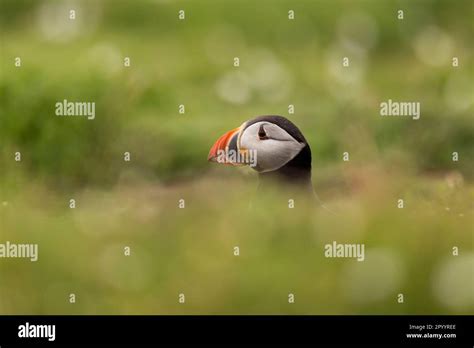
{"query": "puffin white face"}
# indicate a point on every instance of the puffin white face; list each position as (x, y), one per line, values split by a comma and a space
(273, 146)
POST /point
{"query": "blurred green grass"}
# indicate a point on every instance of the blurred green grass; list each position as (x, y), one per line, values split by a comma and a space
(190, 62)
(190, 250)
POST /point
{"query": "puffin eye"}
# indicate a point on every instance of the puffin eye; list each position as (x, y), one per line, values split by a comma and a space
(261, 133)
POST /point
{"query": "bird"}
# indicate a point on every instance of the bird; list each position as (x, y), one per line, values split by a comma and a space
(273, 146)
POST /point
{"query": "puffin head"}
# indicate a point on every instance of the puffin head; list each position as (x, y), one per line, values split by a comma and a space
(271, 145)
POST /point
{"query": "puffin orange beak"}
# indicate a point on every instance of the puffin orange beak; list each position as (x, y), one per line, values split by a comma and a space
(222, 146)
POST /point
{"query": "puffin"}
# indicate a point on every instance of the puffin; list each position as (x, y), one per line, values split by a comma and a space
(273, 146)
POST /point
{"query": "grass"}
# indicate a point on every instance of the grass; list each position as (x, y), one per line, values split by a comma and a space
(191, 250)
